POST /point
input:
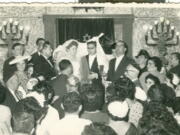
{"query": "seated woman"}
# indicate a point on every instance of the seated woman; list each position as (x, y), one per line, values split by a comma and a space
(20, 75)
(118, 118)
(154, 67)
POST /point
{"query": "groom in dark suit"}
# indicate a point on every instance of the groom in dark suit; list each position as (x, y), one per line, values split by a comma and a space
(118, 65)
(89, 64)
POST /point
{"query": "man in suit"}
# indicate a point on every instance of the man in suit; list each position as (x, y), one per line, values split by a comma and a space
(8, 70)
(132, 73)
(90, 67)
(44, 67)
(118, 65)
(36, 55)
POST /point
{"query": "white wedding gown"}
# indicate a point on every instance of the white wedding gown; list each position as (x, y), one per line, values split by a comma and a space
(61, 53)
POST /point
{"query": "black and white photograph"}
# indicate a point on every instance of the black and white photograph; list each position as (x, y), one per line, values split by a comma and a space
(90, 67)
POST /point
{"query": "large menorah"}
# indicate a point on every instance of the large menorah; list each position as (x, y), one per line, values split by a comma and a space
(162, 35)
(11, 32)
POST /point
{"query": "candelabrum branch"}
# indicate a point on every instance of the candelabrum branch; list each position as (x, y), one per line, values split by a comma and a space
(171, 36)
(152, 36)
(173, 44)
(149, 44)
(20, 37)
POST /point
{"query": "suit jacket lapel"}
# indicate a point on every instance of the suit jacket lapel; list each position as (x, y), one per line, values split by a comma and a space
(47, 62)
(94, 63)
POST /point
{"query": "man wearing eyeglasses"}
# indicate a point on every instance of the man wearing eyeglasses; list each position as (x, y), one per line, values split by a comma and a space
(132, 73)
(92, 68)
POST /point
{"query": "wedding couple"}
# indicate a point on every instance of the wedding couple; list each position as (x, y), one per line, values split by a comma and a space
(88, 59)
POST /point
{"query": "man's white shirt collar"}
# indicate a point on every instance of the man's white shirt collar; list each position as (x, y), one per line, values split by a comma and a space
(91, 60)
(118, 61)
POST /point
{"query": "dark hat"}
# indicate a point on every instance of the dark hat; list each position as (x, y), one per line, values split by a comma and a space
(143, 52)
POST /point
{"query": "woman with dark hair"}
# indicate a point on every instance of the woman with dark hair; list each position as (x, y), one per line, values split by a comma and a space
(157, 120)
(151, 80)
(154, 67)
(118, 118)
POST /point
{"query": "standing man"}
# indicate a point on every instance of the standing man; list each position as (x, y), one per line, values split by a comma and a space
(118, 65)
(8, 70)
(36, 55)
(44, 67)
(90, 66)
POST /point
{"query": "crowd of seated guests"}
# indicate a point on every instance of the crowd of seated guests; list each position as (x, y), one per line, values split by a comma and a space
(38, 99)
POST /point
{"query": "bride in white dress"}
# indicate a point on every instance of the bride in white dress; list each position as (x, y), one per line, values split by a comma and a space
(74, 51)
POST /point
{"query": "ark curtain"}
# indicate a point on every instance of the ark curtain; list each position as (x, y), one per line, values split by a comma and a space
(78, 28)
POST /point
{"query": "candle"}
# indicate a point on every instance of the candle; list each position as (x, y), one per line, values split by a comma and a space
(155, 22)
(10, 20)
(162, 19)
(0, 28)
(150, 27)
(21, 28)
(16, 23)
(4, 23)
(172, 27)
(167, 22)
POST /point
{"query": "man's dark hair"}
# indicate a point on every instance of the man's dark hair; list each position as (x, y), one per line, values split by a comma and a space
(125, 88)
(30, 105)
(157, 62)
(124, 43)
(92, 100)
(71, 102)
(177, 55)
(45, 89)
(111, 93)
(155, 93)
(22, 122)
(98, 129)
(92, 42)
(39, 39)
(152, 77)
(45, 45)
(64, 64)
(15, 45)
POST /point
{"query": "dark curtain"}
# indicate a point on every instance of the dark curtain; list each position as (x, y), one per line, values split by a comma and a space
(77, 28)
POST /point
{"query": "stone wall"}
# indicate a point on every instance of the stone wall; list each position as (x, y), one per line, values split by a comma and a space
(32, 15)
